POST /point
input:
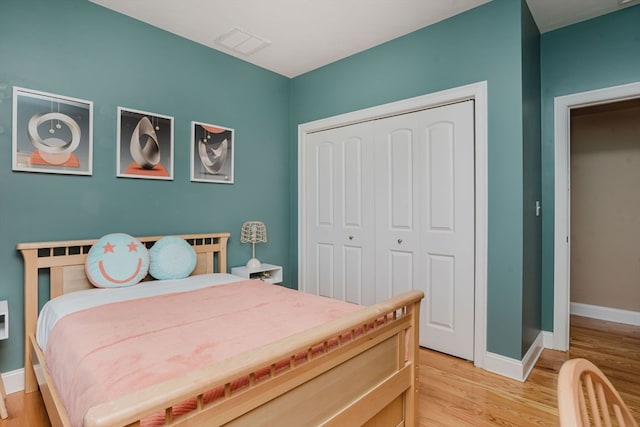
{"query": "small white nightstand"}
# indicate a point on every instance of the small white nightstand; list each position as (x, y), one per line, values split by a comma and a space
(267, 272)
(4, 334)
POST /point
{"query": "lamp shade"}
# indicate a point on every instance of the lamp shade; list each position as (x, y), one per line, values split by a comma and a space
(253, 232)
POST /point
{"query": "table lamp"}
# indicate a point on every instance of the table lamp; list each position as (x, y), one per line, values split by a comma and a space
(253, 232)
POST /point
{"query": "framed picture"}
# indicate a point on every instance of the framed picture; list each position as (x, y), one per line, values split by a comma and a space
(212, 153)
(145, 145)
(52, 133)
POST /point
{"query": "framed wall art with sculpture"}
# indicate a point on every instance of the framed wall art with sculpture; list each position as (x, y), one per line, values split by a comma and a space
(212, 153)
(145, 145)
(51, 133)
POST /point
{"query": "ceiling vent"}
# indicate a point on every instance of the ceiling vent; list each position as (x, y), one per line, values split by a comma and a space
(242, 42)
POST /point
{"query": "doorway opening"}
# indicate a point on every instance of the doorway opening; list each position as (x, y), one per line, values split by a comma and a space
(562, 243)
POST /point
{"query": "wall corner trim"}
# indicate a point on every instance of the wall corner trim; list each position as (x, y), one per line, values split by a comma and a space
(514, 368)
(547, 339)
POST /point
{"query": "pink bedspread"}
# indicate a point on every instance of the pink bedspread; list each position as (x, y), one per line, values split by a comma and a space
(98, 354)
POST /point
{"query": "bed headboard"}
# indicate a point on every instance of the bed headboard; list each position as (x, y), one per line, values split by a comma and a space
(65, 261)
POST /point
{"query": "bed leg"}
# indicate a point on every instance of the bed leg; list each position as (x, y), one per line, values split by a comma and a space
(412, 393)
(30, 316)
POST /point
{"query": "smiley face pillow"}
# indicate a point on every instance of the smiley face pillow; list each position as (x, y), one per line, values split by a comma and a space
(117, 260)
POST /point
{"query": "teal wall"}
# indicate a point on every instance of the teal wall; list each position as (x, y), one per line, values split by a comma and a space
(532, 224)
(78, 49)
(481, 44)
(594, 54)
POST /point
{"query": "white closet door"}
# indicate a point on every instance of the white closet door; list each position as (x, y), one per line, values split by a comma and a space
(424, 166)
(340, 237)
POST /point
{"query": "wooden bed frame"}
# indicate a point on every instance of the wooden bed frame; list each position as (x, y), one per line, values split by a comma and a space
(369, 379)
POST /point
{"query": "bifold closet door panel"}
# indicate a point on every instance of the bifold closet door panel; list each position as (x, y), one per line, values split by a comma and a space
(425, 219)
(340, 226)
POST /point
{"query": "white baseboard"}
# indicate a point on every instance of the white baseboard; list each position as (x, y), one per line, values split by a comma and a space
(605, 313)
(547, 339)
(513, 368)
(13, 381)
(532, 356)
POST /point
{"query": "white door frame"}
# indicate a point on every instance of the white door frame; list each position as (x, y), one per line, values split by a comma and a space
(562, 217)
(475, 91)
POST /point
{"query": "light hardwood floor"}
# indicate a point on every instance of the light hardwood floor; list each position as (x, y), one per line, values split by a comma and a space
(455, 393)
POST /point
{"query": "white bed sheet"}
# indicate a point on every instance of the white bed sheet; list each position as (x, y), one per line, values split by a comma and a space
(61, 306)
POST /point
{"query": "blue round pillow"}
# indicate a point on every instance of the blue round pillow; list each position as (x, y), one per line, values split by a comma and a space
(116, 260)
(171, 258)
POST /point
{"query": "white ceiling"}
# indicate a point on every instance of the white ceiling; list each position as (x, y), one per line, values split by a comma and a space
(291, 37)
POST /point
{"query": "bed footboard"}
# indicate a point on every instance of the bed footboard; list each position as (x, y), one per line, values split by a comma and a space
(365, 372)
